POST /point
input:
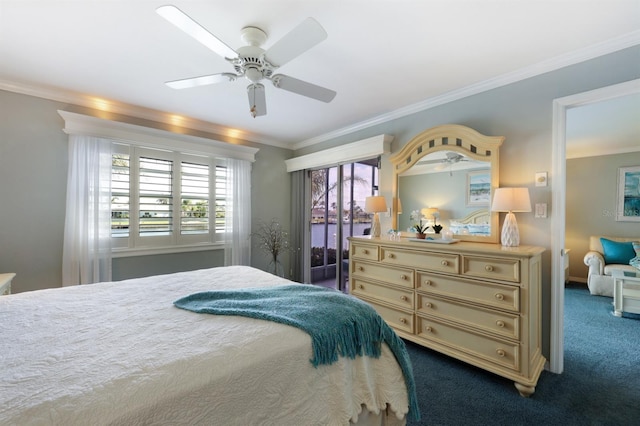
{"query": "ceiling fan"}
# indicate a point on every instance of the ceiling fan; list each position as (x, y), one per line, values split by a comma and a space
(252, 61)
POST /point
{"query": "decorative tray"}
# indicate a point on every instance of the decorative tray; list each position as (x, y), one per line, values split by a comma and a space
(433, 240)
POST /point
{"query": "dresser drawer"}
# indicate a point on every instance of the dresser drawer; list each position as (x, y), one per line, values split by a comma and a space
(501, 323)
(394, 296)
(502, 296)
(491, 268)
(398, 276)
(441, 262)
(396, 318)
(503, 353)
(363, 251)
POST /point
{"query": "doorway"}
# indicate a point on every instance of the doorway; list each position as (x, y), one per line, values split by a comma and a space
(560, 107)
(338, 197)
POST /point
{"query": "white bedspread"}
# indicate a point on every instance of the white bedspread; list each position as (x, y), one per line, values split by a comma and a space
(120, 353)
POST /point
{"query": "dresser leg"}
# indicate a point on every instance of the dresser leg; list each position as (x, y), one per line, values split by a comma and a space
(524, 390)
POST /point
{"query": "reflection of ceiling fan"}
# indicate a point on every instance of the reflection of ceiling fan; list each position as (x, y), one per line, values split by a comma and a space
(253, 62)
(450, 159)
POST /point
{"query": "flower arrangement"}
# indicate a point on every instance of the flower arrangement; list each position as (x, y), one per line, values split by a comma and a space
(418, 227)
(273, 240)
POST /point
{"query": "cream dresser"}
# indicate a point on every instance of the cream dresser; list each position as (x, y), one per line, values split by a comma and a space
(477, 302)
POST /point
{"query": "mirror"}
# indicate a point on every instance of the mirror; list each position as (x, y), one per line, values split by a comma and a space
(454, 169)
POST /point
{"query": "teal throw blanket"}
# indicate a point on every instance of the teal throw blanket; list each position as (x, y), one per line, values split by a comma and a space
(339, 325)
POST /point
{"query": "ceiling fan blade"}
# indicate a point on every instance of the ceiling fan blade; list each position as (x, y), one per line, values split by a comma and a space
(204, 80)
(302, 88)
(438, 161)
(297, 41)
(257, 101)
(195, 30)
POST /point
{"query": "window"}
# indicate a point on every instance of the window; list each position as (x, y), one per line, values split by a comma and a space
(162, 198)
(168, 190)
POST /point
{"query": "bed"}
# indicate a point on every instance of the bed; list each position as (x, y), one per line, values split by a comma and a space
(120, 354)
(475, 223)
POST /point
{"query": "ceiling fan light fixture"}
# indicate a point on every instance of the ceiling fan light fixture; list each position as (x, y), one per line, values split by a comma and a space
(252, 74)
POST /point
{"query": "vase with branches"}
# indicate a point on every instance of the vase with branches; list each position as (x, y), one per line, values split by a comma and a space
(273, 241)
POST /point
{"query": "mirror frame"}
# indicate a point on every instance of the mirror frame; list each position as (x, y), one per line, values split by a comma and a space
(450, 137)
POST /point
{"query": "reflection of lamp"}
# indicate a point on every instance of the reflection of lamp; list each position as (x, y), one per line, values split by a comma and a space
(511, 200)
(434, 213)
(375, 205)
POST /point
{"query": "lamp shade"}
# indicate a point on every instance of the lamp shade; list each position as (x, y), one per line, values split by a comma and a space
(511, 200)
(375, 204)
(429, 212)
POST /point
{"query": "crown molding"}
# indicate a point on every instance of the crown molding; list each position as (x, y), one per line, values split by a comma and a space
(80, 99)
(581, 55)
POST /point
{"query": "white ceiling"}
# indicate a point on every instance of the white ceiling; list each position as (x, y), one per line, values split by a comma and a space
(384, 58)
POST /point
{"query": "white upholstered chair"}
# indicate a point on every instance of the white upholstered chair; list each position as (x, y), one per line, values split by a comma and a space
(599, 280)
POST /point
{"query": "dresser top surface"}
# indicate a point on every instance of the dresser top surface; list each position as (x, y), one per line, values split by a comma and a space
(457, 247)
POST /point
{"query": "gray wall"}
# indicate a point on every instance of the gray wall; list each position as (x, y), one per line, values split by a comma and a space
(592, 185)
(522, 112)
(33, 179)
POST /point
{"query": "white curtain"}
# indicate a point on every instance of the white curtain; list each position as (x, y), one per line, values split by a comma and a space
(237, 249)
(86, 256)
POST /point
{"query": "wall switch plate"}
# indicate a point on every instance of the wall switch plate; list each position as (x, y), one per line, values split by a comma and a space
(541, 210)
(541, 179)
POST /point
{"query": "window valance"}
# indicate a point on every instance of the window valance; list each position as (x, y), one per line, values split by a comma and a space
(81, 124)
(349, 153)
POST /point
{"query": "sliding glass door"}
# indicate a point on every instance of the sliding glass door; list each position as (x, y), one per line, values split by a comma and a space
(337, 211)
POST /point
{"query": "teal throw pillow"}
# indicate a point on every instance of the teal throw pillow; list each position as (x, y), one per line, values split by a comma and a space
(617, 252)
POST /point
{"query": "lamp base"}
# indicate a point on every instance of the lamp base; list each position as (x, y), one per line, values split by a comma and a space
(375, 226)
(510, 237)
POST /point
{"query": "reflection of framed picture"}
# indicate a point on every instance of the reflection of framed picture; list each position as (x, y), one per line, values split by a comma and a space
(628, 194)
(478, 188)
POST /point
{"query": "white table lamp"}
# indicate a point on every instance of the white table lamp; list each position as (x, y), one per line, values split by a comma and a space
(511, 200)
(375, 204)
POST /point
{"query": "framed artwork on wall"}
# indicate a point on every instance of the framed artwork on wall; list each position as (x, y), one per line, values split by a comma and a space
(478, 188)
(628, 194)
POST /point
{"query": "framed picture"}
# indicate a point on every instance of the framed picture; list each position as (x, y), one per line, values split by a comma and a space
(628, 194)
(478, 188)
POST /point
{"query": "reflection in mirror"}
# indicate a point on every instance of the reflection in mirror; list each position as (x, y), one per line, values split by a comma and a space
(452, 168)
(457, 185)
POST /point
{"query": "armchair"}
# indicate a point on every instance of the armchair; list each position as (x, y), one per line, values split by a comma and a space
(599, 279)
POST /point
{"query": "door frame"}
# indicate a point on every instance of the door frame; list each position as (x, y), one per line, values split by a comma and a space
(558, 191)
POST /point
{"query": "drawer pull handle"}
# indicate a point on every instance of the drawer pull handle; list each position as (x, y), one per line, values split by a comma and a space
(444, 263)
(391, 256)
(499, 296)
(403, 277)
(427, 305)
(361, 287)
(501, 353)
(365, 251)
(428, 329)
(403, 320)
(500, 323)
(403, 298)
(360, 268)
(427, 282)
(488, 268)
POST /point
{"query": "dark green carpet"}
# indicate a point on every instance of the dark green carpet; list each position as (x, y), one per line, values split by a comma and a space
(600, 384)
